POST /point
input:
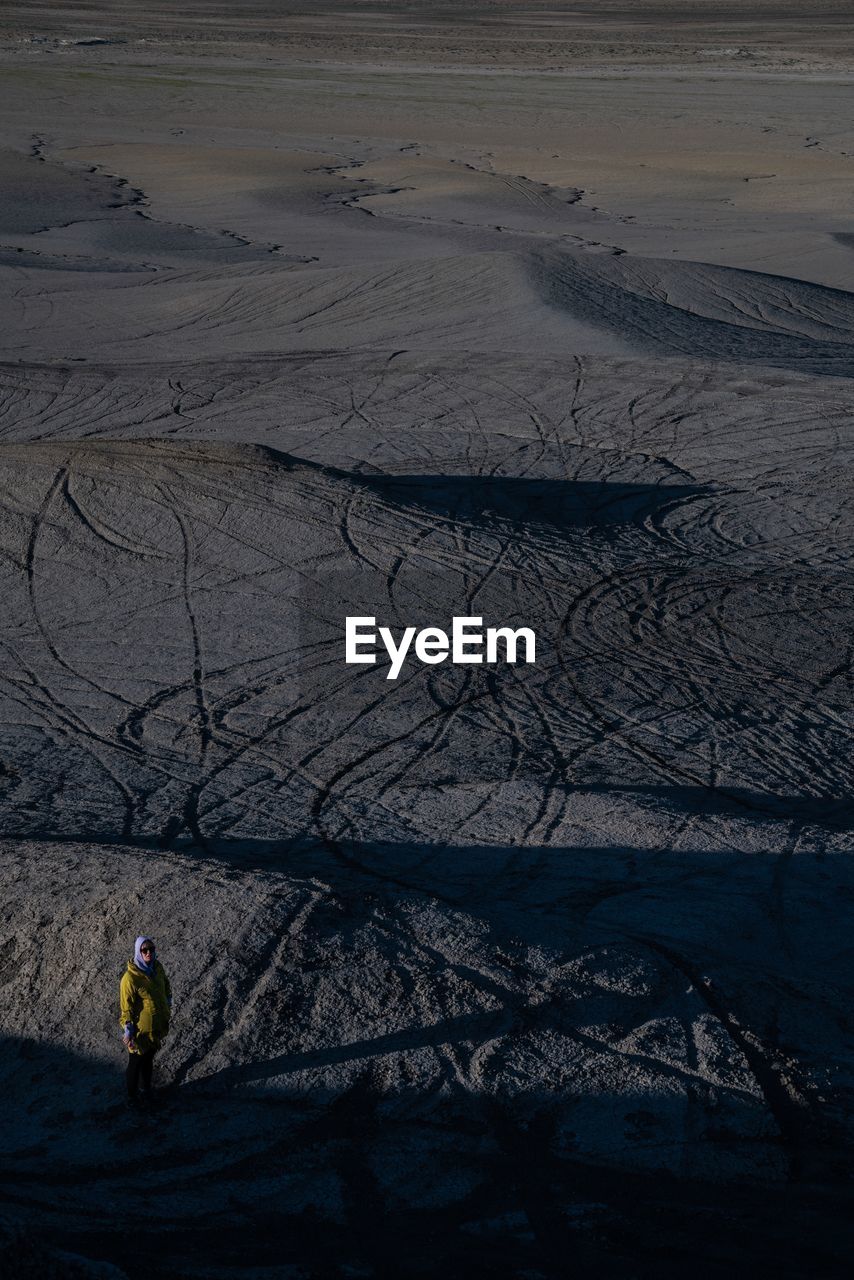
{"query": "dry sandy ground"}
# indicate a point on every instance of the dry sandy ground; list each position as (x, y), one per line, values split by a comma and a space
(418, 311)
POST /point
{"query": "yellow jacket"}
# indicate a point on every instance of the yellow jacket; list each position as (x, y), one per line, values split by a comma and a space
(145, 1003)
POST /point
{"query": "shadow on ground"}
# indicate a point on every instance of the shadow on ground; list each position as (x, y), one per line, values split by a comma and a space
(305, 1199)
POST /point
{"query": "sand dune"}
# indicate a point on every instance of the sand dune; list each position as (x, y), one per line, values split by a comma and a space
(541, 316)
(556, 302)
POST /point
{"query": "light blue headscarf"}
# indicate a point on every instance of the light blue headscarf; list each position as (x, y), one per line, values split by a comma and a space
(147, 966)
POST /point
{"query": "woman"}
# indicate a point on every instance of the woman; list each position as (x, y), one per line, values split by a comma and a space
(146, 999)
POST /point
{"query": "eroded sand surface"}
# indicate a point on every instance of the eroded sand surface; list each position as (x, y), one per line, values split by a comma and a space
(418, 312)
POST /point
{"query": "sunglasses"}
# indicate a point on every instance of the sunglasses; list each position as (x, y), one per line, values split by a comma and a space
(146, 951)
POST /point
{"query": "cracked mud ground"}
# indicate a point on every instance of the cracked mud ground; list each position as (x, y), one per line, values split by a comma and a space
(484, 972)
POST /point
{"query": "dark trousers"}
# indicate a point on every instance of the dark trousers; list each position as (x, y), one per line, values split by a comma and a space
(140, 1066)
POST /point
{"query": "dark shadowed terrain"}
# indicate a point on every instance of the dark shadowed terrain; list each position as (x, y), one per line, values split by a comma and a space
(416, 311)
